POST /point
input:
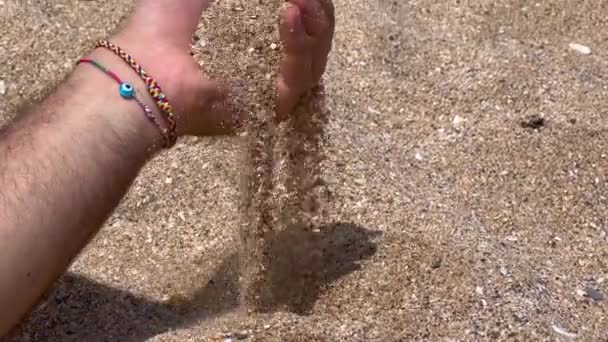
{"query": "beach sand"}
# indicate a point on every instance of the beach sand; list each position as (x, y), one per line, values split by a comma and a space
(463, 184)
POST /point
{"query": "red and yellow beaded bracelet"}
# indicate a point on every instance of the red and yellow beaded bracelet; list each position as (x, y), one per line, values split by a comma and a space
(153, 87)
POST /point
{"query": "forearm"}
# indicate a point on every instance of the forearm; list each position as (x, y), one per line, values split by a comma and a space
(64, 166)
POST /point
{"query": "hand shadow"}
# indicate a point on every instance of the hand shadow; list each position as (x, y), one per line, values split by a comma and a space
(305, 262)
(81, 309)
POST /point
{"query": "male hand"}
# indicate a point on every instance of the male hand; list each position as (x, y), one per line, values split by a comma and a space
(159, 34)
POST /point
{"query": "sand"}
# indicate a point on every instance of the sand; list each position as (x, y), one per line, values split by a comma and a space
(451, 214)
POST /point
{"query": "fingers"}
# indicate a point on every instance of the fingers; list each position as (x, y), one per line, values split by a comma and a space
(292, 30)
(297, 63)
(313, 16)
(288, 96)
(306, 30)
(330, 11)
(319, 20)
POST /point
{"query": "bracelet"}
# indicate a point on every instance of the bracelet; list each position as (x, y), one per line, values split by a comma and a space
(153, 87)
(127, 92)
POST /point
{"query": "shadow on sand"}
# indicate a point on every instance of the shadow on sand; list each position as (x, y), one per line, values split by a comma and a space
(81, 309)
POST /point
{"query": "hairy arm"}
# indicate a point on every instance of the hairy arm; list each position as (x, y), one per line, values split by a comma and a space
(64, 166)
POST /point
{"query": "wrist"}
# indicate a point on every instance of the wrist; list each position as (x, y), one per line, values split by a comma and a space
(125, 118)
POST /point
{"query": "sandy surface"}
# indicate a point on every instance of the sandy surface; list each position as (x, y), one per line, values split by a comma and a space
(448, 217)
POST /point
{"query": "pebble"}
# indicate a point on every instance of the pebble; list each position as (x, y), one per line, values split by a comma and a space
(458, 120)
(533, 122)
(419, 157)
(2, 87)
(503, 271)
(273, 46)
(169, 180)
(436, 263)
(594, 294)
(360, 181)
(582, 49)
(479, 290)
(241, 335)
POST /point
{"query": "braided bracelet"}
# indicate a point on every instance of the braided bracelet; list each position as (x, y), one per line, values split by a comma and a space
(153, 87)
(127, 91)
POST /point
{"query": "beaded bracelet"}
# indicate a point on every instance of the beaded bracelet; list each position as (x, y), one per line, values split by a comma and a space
(153, 87)
(127, 92)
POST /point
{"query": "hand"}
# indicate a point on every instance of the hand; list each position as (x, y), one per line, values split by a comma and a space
(158, 36)
(201, 106)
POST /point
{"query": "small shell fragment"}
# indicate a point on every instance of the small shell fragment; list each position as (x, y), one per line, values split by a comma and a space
(582, 49)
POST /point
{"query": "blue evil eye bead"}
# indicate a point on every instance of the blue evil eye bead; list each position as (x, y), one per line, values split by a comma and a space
(127, 91)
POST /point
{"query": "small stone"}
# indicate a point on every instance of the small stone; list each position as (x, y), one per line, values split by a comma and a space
(503, 271)
(479, 290)
(436, 263)
(533, 122)
(169, 180)
(267, 326)
(227, 339)
(511, 238)
(241, 335)
(2, 87)
(202, 43)
(273, 46)
(419, 157)
(582, 49)
(594, 294)
(458, 121)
